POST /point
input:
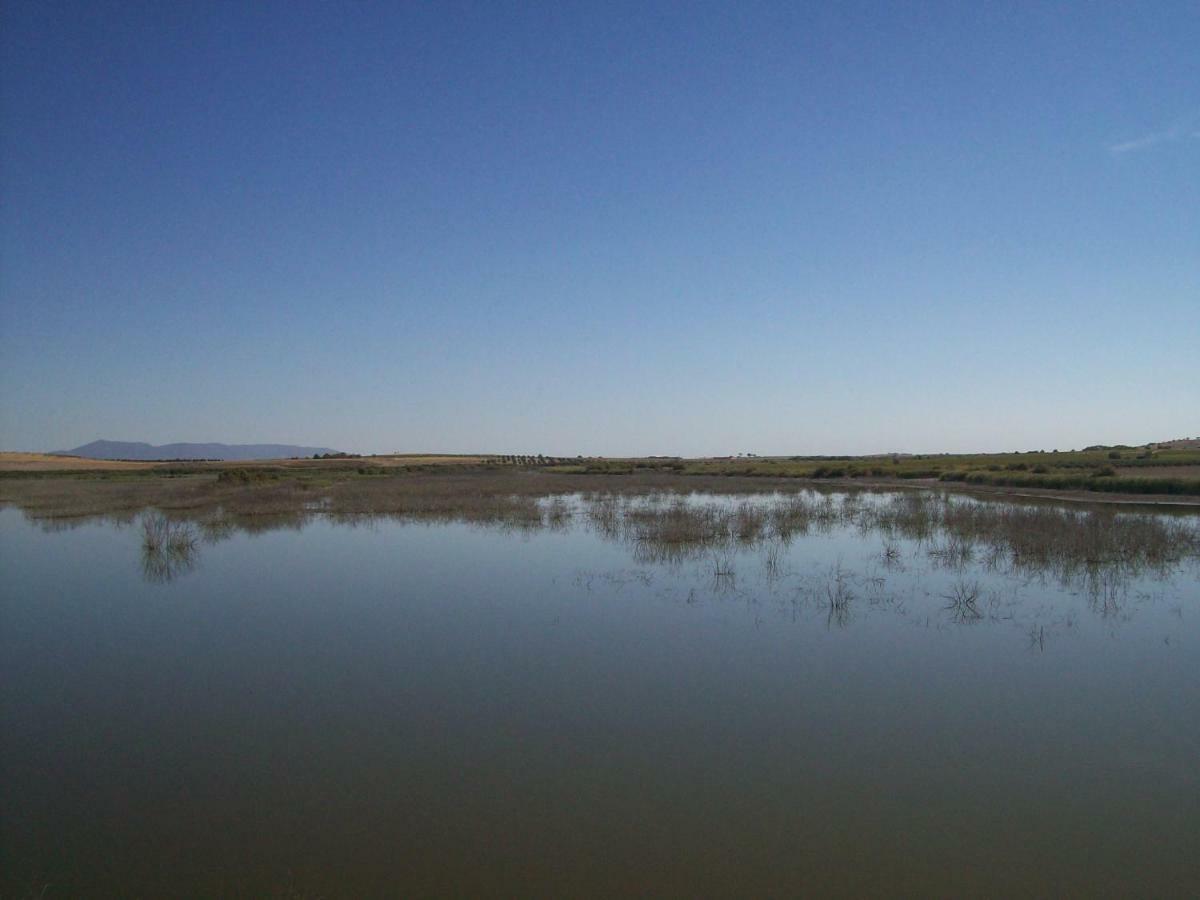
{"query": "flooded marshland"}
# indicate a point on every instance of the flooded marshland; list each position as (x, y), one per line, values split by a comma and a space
(360, 694)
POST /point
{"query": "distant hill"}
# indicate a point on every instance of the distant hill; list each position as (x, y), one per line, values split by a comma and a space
(138, 450)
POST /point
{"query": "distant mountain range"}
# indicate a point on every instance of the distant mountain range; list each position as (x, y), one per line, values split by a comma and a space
(141, 451)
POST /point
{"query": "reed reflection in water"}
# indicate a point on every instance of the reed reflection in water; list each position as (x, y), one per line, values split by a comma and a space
(983, 547)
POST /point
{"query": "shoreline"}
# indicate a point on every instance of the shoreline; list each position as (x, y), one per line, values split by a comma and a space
(274, 487)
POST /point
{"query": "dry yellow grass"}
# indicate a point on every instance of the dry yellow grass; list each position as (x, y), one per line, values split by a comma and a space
(342, 462)
(427, 460)
(43, 462)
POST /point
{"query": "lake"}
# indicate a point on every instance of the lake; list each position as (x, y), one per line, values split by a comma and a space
(838, 694)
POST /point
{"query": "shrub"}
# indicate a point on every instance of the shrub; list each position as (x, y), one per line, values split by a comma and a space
(245, 476)
(829, 472)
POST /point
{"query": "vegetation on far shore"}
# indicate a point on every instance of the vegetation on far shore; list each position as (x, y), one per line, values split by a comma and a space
(1124, 470)
(1147, 471)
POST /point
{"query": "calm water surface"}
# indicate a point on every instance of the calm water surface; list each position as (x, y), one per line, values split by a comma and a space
(405, 708)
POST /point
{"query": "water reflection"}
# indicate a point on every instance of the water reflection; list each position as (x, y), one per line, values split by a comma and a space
(771, 672)
(169, 549)
(976, 544)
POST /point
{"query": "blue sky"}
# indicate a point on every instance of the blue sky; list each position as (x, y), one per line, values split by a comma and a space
(600, 228)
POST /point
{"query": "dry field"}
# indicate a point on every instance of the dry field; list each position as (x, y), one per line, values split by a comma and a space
(43, 462)
(415, 459)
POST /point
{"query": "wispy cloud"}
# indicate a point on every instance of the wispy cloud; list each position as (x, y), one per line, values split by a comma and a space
(1181, 128)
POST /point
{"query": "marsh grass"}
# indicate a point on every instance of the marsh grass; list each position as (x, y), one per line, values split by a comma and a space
(723, 574)
(161, 535)
(1100, 547)
(773, 556)
(1037, 638)
(837, 591)
(963, 601)
(168, 547)
(954, 551)
(838, 596)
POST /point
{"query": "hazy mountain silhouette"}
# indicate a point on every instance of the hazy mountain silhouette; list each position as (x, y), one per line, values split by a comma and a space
(138, 450)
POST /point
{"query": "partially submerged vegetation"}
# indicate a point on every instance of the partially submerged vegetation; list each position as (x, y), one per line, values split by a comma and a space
(658, 518)
(168, 547)
(669, 511)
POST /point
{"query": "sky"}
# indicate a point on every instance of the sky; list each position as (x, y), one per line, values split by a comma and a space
(600, 229)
